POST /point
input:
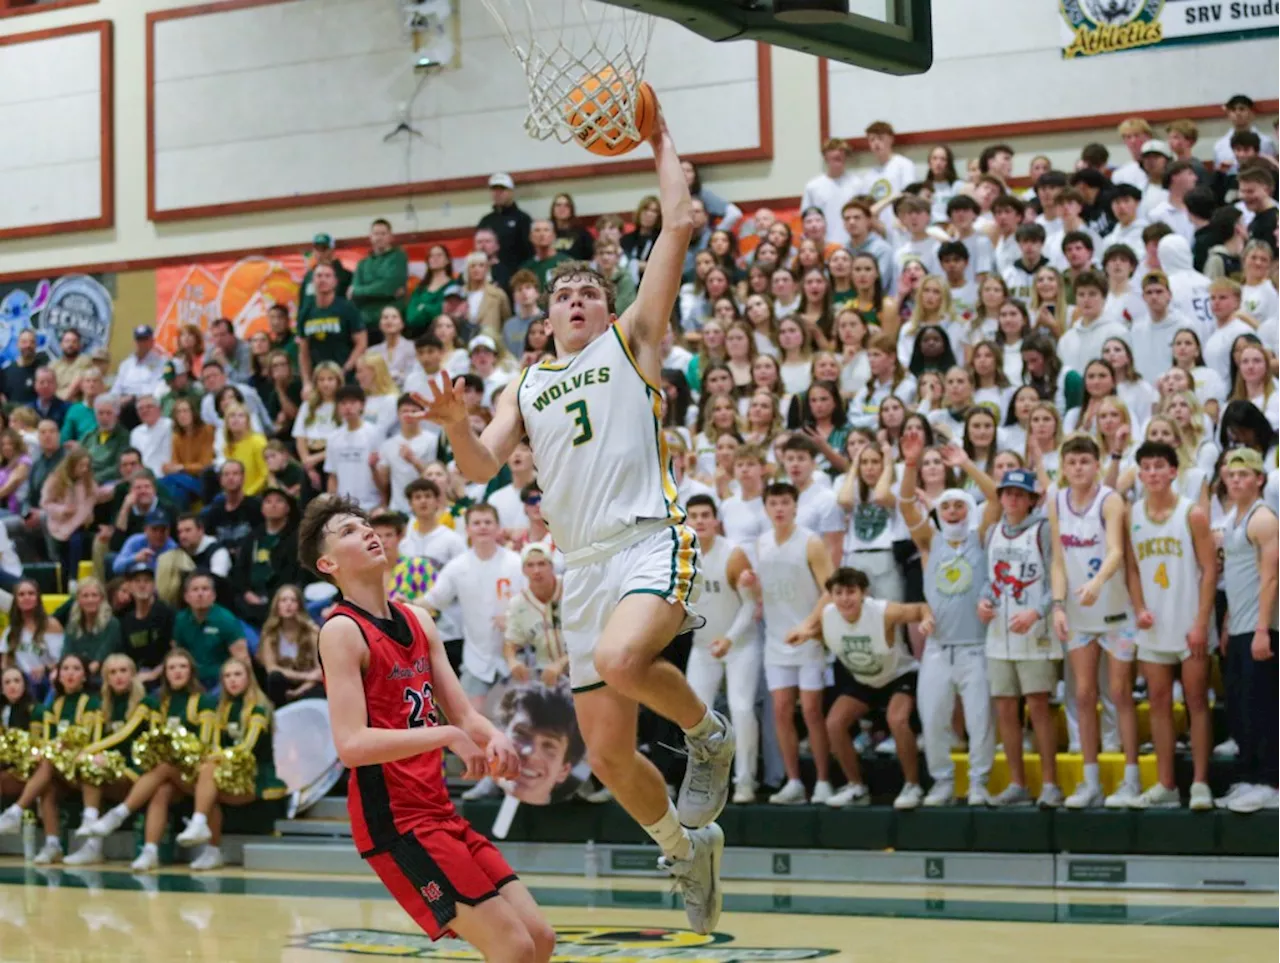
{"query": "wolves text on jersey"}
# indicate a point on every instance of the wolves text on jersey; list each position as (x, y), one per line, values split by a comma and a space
(593, 376)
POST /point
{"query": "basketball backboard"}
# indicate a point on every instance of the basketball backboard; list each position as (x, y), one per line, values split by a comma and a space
(892, 36)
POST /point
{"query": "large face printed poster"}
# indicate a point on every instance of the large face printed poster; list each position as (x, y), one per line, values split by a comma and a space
(1091, 27)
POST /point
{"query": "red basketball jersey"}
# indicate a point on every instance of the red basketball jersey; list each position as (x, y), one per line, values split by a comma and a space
(388, 800)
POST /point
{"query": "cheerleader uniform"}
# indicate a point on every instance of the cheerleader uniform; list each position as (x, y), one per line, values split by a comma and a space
(236, 728)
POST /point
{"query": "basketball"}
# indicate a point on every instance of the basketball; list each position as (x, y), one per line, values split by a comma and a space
(603, 92)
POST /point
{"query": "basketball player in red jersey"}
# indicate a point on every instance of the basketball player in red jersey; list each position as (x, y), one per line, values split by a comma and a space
(388, 679)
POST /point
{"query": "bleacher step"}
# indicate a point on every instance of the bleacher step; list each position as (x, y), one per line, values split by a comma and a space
(339, 828)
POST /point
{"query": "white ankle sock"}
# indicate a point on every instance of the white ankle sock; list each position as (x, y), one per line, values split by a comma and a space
(1091, 775)
(1132, 779)
(150, 848)
(122, 811)
(197, 819)
(670, 835)
(89, 815)
(53, 841)
(705, 727)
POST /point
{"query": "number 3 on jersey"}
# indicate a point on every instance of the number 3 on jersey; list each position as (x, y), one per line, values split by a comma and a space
(422, 707)
(582, 420)
(1161, 577)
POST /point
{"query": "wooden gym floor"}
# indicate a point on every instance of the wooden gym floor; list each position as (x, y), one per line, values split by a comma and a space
(236, 917)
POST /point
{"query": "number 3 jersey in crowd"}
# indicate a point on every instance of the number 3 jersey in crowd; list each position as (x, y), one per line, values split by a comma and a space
(388, 800)
(1084, 546)
(602, 461)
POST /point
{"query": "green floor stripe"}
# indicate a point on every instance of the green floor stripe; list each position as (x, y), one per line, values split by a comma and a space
(883, 907)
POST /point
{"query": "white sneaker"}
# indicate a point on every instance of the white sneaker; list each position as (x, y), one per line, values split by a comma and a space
(211, 858)
(707, 775)
(1125, 797)
(1158, 797)
(941, 793)
(822, 792)
(485, 788)
(1234, 790)
(1012, 796)
(978, 796)
(197, 833)
(1201, 797)
(1256, 799)
(1084, 797)
(107, 823)
(698, 878)
(792, 794)
(1051, 796)
(744, 794)
(11, 819)
(148, 861)
(86, 855)
(82, 831)
(50, 853)
(851, 794)
(887, 747)
(910, 797)
(1228, 749)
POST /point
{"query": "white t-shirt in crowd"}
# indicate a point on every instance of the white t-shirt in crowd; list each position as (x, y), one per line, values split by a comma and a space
(830, 197)
(510, 509)
(346, 458)
(482, 588)
(425, 446)
(155, 444)
(441, 545)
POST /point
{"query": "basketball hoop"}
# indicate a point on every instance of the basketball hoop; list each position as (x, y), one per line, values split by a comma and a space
(575, 48)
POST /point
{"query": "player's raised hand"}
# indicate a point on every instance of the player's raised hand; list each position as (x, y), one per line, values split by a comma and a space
(503, 760)
(472, 755)
(446, 406)
(911, 446)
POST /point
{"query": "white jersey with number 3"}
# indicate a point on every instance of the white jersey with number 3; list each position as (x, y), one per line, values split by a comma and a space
(1170, 575)
(1084, 546)
(602, 462)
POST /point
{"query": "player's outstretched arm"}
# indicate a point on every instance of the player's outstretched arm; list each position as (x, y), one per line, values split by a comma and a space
(649, 317)
(478, 457)
(342, 650)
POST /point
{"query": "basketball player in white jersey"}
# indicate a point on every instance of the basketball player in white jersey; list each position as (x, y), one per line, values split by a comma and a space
(727, 648)
(874, 670)
(793, 564)
(1172, 576)
(609, 499)
(1091, 613)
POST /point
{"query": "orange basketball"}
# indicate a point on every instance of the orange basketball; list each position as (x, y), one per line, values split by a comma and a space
(604, 94)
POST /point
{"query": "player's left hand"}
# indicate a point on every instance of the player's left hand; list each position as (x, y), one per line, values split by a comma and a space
(447, 406)
(504, 761)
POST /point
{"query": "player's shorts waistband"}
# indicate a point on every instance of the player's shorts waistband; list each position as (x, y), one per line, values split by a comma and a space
(598, 551)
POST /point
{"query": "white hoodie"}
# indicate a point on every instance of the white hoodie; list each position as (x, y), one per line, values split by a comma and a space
(1190, 288)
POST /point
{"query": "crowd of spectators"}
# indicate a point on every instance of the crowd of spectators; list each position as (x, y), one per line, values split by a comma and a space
(1126, 299)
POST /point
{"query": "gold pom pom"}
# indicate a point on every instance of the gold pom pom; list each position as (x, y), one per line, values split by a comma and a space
(18, 753)
(236, 772)
(102, 769)
(63, 750)
(186, 753)
(148, 750)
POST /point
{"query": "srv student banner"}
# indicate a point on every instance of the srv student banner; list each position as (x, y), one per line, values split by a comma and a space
(1091, 27)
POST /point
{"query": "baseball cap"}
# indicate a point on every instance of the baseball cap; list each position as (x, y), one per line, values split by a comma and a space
(157, 516)
(481, 341)
(1157, 147)
(1019, 478)
(502, 180)
(283, 493)
(322, 240)
(1245, 458)
(174, 367)
(1239, 100)
(143, 331)
(140, 568)
(535, 548)
(1127, 190)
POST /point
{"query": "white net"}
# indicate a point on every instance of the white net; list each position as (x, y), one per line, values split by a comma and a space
(583, 61)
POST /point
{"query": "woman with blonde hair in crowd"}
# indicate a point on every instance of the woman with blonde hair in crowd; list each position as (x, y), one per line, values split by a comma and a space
(239, 442)
(15, 469)
(80, 418)
(639, 241)
(397, 350)
(840, 270)
(851, 344)
(380, 392)
(1192, 482)
(711, 350)
(1255, 382)
(1183, 408)
(763, 422)
(815, 307)
(991, 386)
(957, 399)
(72, 706)
(932, 307)
(1139, 396)
(67, 502)
(1048, 308)
(123, 716)
(487, 304)
(866, 495)
(890, 420)
(796, 342)
(981, 444)
(740, 352)
(92, 630)
(992, 294)
(694, 304)
(289, 649)
(758, 312)
(809, 255)
(427, 301)
(888, 377)
(930, 388)
(717, 416)
(454, 356)
(878, 308)
(1044, 438)
(1188, 355)
(1113, 431)
(766, 375)
(1099, 385)
(180, 698)
(192, 452)
(317, 420)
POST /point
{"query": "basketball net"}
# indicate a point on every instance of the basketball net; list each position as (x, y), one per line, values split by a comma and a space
(561, 43)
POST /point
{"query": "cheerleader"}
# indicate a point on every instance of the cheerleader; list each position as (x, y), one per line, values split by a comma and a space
(242, 728)
(73, 715)
(179, 700)
(17, 710)
(123, 715)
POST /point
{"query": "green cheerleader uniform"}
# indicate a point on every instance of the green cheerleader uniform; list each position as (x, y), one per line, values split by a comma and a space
(71, 710)
(117, 733)
(193, 710)
(250, 730)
